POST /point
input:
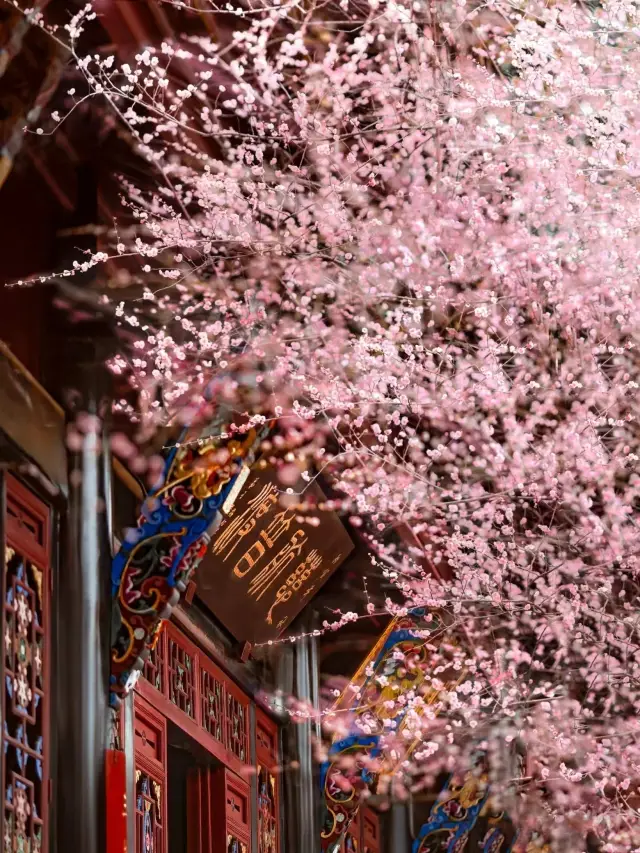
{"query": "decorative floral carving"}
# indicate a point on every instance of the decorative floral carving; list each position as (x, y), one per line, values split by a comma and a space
(23, 725)
(212, 705)
(379, 679)
(149, 822)
(234, 845)
(181, 678)
(152, 569)
(237, 727)
(267, 814)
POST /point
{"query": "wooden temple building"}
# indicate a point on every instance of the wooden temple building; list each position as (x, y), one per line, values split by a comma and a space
(112, 744)
(146, 662)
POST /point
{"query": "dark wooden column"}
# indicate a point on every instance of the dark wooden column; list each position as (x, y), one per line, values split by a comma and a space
(84, 613)
(302, 795)
(398, 840)
(76, 368)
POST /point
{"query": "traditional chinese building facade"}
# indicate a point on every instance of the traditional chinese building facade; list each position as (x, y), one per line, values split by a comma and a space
(130, 728)
(193, 758)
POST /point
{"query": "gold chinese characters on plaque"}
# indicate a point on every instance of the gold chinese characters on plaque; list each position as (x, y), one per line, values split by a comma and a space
(267, 560)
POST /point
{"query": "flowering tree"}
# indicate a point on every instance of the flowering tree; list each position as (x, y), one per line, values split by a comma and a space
(406, 233)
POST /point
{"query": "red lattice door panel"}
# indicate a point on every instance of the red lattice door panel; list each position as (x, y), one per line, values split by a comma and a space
(191, 691)
(212, 701)
(155, 670)
(182, 659)
(268, 806)
(150, 744)
(219, 804)
(237, 722)
(371, 841)
(352, 842)
(25, 697)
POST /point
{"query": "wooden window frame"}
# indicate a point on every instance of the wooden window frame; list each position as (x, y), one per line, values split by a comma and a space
(193, 723)
(146, 717)
(208, 789)
(18, 535)
(268, 756)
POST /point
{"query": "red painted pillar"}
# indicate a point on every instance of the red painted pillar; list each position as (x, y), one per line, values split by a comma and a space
(116, 788)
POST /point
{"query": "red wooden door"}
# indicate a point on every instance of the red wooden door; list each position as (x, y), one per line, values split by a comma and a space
(353, 839)
(186, 687)
(150, 744)
(219, 804)
(267, 753)
(191, 691)
(371, 842)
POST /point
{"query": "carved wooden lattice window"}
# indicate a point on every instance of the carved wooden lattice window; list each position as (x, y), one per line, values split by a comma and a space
(186, 677)
(212, 695)
(149, 824)
(191, 682)
(150, 761)
(154, 668)
(268, 784)
(26, 591)
(237, 713)
(182, 678)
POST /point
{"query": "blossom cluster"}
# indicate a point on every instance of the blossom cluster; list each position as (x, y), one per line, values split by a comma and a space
(407, 234)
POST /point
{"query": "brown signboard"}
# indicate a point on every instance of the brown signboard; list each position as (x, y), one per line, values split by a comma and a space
(267, 560)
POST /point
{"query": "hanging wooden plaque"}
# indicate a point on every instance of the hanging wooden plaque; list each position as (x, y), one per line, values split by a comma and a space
(267, 560)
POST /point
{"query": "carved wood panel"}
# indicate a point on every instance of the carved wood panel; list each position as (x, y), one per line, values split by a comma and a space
(150, 744)
(219, 807)
(25, 697)
(155, 666)
(353, 839)
(195, 694)
(268, 805)
(181, 675)
(212, 698)
(191, 682)
(237, 720)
